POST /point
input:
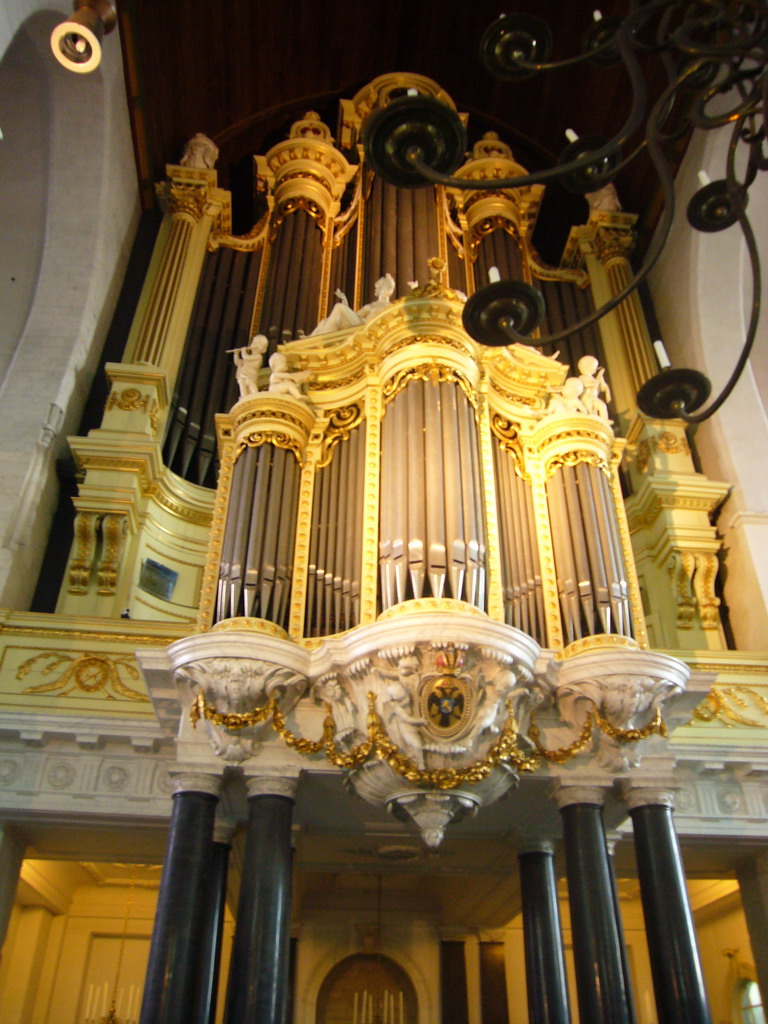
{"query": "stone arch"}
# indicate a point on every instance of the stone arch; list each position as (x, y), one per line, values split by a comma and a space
(373, 974)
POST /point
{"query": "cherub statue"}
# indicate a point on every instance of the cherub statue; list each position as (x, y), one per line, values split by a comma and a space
(605, 199)
(342, 316)
(568, 401)
(592, 377)
(404, 728)
(248, 360)
(332, 692)
(200, 152)
(283, 381)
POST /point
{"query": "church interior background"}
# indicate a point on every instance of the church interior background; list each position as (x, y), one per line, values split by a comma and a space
(365, 637)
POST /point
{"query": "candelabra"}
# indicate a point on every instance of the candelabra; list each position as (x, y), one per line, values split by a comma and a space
(123, 1005)
(713, 53)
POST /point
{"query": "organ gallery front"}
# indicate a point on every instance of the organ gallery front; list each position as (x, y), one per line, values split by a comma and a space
(415, 563)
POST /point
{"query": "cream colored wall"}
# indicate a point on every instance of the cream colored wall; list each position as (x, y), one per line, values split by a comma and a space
(722, 929)
(65, 939)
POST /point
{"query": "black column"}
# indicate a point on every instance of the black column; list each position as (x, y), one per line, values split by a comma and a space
(596, 943)
(544, 961)
(258, 979)
(172, 972)
(677, 979)
(210, 945)
(609, 843)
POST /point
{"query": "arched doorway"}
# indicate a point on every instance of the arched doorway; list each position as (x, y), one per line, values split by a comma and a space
(367, 989)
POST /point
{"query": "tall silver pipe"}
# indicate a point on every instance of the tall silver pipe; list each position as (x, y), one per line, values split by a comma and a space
(434, 489)
(454, 513)
(413, 454)
(256, 528)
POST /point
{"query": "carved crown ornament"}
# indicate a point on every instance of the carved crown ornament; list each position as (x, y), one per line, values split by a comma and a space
(430, 729)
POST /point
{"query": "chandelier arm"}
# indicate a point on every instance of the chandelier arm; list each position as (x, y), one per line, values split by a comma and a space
(749, 104)
(633, 122)
(654, 250)
(682, 39)
(735, 196)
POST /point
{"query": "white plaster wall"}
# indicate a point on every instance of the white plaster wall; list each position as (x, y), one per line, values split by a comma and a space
(701, 290)
(78, 245)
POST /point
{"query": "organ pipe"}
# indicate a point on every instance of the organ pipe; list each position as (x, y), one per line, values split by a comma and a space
(478, 487)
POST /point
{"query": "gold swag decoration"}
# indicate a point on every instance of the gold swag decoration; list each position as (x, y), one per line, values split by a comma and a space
(378, 745)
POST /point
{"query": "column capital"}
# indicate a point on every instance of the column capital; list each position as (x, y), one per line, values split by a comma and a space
(531, 844)
(185, 781)
(272, 785)
(585, 792)
(644, 792)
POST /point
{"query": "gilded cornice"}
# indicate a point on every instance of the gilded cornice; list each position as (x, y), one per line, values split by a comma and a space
(306, 168)
(478, 210)
(671, 492)
(87, 630)
(377, 94)
(607, 235)
(193, 192)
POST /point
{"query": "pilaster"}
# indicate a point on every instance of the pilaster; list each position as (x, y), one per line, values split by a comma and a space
(676, 546)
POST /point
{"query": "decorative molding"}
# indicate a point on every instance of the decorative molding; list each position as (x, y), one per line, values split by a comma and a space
(86, 673)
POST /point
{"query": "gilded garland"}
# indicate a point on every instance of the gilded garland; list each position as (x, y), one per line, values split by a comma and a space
(378, 745)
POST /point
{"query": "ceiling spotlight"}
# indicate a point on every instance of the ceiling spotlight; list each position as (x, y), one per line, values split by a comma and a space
(76, 43)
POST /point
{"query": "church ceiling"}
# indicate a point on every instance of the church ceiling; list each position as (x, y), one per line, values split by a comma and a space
(242, 72)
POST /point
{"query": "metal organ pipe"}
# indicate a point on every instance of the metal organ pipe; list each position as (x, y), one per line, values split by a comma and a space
(431, 510)
(335, 551)
(592, 580)
(257, 552)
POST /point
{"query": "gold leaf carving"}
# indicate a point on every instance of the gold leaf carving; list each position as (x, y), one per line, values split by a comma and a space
(86, 673)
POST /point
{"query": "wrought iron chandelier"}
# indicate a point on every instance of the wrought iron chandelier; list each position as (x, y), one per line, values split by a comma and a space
(713, 53)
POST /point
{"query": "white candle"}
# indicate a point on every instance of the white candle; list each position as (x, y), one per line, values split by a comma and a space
(413, 92)
(354, 1010)
(401, 1006)
(661, 354)
(385, 1009)
(704, 179)
(571, 135)
(89, 1002)
(493, 275)
(597, 15)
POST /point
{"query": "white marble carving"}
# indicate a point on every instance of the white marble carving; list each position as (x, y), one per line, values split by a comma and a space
(342, 316)
(283, 381)
(200, 152)
(582, 394)
(592, 377)
(237, 686)
(248, 360)
(626, 688)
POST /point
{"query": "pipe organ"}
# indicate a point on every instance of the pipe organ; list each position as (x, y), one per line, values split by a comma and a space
(414, 466)
(424, 535)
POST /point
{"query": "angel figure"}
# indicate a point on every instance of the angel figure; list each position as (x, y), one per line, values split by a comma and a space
(283, 381)
(404, 728)
(248, 361)
(568, 401)
(592, 377)
(343, 316)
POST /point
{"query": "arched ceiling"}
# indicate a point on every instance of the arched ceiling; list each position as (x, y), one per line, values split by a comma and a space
(241, 72)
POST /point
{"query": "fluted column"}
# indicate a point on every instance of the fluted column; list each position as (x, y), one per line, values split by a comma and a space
(258, 980)
(596, 941)
(544, 962)
(210, 946)
(174, 955)
(677, 977)
(194, 205)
